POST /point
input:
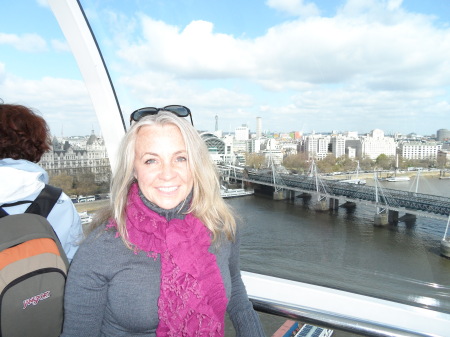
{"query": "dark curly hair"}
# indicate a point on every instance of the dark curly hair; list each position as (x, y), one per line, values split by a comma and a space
(23, 133)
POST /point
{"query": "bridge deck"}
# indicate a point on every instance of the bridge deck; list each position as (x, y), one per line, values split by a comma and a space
(423, 204)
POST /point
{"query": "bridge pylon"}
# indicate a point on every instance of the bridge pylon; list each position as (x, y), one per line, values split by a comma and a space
(321, 199)
(279, 193)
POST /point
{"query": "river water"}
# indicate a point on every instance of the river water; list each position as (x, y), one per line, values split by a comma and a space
(343, 249)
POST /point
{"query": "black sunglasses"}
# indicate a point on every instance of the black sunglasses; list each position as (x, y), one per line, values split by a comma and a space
(179, 110)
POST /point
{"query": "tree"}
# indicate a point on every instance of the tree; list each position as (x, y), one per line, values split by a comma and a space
(255, 160)
(298, 162)
(327, 165)
(366, 164)
(384, 162)
(85, 184)
(65, 182)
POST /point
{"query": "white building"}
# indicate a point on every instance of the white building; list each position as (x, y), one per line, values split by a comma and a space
(289, 148)
(85, 155)
(351, 134)
(275, 156)
(242, 133)
(316, 146)
(350, 152)
(375, 144)
(338, 145)
(272, 144)
(256, 145)
(258, 127)
(420, 150)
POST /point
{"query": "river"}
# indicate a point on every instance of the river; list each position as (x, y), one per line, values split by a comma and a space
(344, 250)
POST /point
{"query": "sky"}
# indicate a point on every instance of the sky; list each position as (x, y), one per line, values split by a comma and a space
(308, 66)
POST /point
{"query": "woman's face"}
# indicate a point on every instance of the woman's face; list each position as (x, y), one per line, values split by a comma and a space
(161, 165)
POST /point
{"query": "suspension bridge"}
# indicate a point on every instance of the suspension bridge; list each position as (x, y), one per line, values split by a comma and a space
(330, 194)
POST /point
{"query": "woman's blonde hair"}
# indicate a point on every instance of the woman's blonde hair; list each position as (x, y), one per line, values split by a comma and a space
(207, 204)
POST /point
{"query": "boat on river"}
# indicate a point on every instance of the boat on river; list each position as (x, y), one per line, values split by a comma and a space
(397, 179)
(357, 180)
(85, 218)
(354, 181)
(235, 192)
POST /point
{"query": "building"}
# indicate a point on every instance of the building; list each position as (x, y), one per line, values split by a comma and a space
(220, 149)
(274, 157)
(350, 152)
(258, 127)
(316, 146)
(84, 155)
(373, 144)
(443, 135)
(419, 150)
(242, 133)
(338, 145)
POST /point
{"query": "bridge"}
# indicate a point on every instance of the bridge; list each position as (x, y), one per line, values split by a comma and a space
(385, 200)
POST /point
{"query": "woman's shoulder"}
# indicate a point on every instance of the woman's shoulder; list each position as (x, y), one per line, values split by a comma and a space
(101, 245)
(101, 238)
(102, 234)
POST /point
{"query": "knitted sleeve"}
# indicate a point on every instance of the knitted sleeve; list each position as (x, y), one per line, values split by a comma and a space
(245, 320)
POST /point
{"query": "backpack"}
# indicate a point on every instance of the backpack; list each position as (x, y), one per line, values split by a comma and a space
(33, 270)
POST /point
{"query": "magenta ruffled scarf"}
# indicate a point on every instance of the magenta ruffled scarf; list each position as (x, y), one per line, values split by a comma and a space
(192, 299)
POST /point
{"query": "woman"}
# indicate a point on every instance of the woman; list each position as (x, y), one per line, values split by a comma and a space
(167, 261)
(25, 137)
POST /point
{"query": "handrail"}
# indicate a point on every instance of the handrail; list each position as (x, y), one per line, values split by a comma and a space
(340, 310)
(326, 320)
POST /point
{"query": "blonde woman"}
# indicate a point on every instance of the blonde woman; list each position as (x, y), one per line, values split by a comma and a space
(163, 259)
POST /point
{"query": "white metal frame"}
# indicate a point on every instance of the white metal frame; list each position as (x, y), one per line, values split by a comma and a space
(73, 24)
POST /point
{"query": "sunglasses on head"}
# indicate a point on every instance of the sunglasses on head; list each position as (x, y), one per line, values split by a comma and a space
(179, 110)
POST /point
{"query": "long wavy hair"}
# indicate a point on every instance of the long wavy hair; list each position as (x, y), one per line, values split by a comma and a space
(207, 204)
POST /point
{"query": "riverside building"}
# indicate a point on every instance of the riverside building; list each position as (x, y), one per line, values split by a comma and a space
(78, 155)
(419, 150)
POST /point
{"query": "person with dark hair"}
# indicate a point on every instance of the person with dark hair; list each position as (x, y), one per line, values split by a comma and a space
(163, 258)
(24, 138)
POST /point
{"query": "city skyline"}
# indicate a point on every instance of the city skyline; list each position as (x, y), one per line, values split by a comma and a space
(302, 65)
(254, 131)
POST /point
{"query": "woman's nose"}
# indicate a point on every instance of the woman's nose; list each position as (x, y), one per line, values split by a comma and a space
(167, 171)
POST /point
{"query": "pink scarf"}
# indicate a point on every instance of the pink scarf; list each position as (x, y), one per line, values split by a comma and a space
(192, 299)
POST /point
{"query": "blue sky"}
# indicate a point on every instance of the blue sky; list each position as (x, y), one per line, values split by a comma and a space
(306, 66)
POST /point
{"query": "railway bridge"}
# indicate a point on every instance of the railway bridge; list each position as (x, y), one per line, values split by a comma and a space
(330, 194)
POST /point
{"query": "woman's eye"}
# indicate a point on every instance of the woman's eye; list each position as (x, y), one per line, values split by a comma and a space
(181, 159)
(150, 161)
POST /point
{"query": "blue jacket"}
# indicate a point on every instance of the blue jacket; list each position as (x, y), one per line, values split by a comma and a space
(24, 180)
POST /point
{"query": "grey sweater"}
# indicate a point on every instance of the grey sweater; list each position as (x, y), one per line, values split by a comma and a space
(112, 291)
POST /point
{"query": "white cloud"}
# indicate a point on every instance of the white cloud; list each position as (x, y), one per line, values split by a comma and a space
(64, 103)
(389, 55)
(59, 45)
(43, 3)
(24, 42)
(394, 4)
(294, 7)
(317, 50)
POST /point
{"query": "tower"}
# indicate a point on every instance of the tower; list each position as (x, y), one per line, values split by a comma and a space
(258, 127)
